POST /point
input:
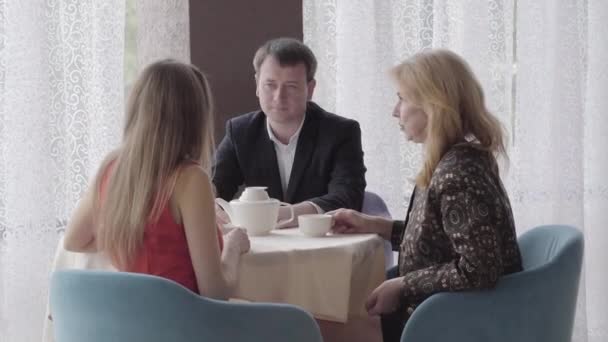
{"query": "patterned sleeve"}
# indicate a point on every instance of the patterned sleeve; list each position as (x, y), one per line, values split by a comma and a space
(469, 214)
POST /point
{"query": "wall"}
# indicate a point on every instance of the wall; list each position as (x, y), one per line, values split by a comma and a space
(224, 35)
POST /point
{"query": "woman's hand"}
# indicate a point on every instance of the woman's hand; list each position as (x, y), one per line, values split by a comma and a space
(347, 221)
(385, 298)
(237, 240)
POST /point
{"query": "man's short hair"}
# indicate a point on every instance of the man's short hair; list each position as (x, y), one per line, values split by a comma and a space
(288, 52)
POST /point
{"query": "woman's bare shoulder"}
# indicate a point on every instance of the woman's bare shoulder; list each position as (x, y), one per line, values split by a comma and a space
(192, 177)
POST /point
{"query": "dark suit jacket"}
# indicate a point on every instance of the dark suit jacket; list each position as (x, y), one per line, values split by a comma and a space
(328, 167)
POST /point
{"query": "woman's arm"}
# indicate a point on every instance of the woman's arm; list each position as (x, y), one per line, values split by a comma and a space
(80, 232)
(216, 272)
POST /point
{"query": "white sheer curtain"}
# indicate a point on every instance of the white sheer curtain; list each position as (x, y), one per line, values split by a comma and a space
(163, 30)
(543, 65)
(558, 159)
(61, 96)
(61, 108)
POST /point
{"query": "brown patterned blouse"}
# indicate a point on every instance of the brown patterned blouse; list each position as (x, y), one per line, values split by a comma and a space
(459, 232)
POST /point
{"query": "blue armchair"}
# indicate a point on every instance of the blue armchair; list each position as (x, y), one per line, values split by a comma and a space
(100, 306)
(535, 305)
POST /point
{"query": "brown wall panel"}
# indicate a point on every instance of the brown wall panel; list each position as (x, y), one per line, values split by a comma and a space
(224, 35)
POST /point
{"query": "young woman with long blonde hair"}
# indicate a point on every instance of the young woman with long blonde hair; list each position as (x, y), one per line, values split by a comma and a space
(458, 233)
(151, 207)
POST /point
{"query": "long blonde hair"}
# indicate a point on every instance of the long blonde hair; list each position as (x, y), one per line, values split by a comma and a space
(169, 120)
(442, 84)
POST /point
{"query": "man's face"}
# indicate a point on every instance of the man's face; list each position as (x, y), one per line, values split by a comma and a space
(283, 91)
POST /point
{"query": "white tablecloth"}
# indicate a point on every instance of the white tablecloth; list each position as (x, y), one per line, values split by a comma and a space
(330, 276)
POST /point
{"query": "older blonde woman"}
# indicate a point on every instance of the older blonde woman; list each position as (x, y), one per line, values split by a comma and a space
(458, 233)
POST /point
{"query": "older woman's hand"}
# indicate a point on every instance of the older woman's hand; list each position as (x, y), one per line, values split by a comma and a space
(385, 298)
(347, 221)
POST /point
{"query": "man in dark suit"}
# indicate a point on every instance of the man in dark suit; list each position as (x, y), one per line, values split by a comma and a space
(304, 155)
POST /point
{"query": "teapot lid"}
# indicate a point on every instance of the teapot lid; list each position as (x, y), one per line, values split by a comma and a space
(254, 194)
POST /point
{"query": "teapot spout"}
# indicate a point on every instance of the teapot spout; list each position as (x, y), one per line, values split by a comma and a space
(226, 207)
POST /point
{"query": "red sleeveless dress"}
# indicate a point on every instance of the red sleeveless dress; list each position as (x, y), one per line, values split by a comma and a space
(164, 251)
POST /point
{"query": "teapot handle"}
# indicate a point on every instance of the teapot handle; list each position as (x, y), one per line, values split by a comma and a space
(226, 207)
(290, 216)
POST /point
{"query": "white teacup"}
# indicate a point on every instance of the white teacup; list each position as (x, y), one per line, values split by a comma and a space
(315, 225)
(254, 193)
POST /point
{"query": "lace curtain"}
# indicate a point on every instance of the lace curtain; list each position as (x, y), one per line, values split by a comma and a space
(558, 158)
(543, 67)
(62, 90)
(163, 30)
(61, 97)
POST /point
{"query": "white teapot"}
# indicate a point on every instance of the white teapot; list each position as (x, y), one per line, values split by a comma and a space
(255, 211)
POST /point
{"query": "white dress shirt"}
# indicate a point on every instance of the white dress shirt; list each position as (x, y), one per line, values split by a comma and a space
(285, 157)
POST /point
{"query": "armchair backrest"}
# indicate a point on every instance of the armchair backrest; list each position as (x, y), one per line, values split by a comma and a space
(537, 304)
(552, 258)
(117, 306)
(374, 205)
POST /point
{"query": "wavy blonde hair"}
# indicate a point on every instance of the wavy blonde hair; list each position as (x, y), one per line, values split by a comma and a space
(169, 121)
(442, 84)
